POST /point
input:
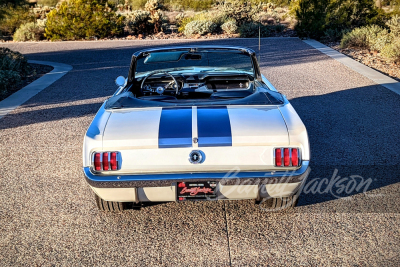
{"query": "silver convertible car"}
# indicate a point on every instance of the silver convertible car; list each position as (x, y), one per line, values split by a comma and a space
(195, 123)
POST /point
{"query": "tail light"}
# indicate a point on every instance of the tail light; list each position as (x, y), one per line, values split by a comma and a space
(106, 161)
(287, 157)
(114, 161)
(97, 161)
(278, 157)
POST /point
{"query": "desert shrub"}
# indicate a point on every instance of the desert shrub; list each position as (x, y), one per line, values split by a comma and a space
(331, 35)
(156, 17)
(138, 22)
(13, 67)
(50, 3)
(137, 4)
(315, 17)
(252, 29)
(216, 18)
(394, 25)
(196, 5)
(378, 41)
(29, 32)
(199, 27)
(392, 50)
(14, 18)
(364, 37)
(278, 28)
(356, 38)
(229, 27)
(179, 18)
(241, 12)
(77, 19)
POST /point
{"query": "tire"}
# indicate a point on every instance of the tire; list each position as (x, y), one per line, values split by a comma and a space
(112, 206)
(280, 204)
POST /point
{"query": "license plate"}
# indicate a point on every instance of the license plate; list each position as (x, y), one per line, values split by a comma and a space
(196, 190)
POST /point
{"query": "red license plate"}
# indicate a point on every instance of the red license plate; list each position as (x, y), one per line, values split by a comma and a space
(196, 190)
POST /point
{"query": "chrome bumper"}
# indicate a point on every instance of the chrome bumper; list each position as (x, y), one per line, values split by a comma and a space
(224, 178)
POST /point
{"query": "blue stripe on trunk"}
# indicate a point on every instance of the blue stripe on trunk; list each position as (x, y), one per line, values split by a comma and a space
(175, 128)
(214, 126)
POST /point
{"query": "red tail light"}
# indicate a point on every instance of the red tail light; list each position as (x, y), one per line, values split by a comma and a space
(97, 162)
(105, 161)
(114, 161)
(278, 157)
(295, 157)
(287, 157)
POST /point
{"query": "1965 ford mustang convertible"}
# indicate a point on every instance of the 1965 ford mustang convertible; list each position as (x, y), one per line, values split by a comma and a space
(195, 123)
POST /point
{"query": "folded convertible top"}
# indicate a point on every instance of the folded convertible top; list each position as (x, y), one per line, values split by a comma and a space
(259, 98)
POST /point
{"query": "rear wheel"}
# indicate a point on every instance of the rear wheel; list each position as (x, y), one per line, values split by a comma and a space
(279, 204)
(104, 205)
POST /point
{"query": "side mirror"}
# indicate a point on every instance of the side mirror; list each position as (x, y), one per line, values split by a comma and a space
(120, 81)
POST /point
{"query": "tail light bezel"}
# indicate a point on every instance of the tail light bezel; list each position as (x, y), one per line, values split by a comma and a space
(299, 160)
(119, 160)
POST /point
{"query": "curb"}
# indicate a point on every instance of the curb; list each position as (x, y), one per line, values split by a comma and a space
(18, 98)
(366, 71)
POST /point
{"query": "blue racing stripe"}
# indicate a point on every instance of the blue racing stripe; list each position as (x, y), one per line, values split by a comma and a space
(214, 127)
(175, 128)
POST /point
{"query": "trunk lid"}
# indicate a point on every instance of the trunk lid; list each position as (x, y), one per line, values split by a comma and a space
(161, 139)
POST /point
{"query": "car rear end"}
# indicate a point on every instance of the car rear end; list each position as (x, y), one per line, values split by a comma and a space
(159, 154)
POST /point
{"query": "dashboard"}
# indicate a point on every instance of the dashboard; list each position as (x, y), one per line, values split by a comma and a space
(203, 83)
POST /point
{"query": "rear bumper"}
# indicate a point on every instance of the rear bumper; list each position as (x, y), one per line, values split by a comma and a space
(232, 185)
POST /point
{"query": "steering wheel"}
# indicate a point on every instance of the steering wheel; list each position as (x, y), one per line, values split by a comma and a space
(160, 89)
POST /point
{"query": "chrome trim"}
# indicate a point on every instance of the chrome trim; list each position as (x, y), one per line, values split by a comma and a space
(101, 177)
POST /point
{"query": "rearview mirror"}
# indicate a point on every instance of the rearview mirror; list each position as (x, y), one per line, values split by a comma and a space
(120, 81)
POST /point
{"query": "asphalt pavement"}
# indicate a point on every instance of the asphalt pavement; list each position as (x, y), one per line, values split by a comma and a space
(348, 214)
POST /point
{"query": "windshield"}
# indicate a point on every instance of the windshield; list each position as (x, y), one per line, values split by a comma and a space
(185, 60)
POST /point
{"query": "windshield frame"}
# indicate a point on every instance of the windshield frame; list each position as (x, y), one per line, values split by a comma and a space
(193, 49)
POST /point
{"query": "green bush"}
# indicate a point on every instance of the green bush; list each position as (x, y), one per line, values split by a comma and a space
(392, 50)
(138, 22)
(77, 19)
(371, 37)
(229, 27)
(196, 5)
(156, 17)
(241, 12)
(29, 32)
(14, 18)
(359, 37)
(217, 18)
(378, 41)
(317, 18)
(394, 25)
(13, 67)
(49, 3)
(251, 29)
(200, 27)
(137, 4)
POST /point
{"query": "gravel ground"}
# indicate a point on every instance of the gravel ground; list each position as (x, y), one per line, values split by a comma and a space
(48, 215)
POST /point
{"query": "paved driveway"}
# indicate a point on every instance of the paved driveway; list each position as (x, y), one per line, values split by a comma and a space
(47, 212)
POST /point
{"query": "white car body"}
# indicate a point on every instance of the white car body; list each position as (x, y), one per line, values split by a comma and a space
(240, 159)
